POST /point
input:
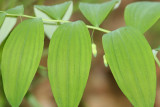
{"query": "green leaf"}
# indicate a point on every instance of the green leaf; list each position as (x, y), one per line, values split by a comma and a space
(68, 13)
(20, 59)
(50, 27)
(55, 11)
(9, 22)
(2, 17)
(96, 13)
(69, 62)
(17, 10)
(132, 64)
(7, 26)
(142, 15)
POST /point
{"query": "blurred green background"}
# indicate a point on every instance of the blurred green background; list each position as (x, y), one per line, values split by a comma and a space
(101, 89)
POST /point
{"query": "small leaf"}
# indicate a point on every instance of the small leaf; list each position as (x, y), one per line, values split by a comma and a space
(55, 11)
(20, 59)
(49, 27)
(96, 13)
(69, 62)
(142, 15)
(17, 10)
(68, 13)
(46, 12)
(9, 22)
(132, 64)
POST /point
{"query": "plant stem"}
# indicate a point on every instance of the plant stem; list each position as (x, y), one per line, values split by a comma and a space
(157, 61)
(62, 21)
(98, 28)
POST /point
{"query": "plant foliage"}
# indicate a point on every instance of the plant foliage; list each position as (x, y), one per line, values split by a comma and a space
(61, 12)
(20, 59)
(96, 13)
(142, 15)
(127, 52)
(132, 64)
(8, 22)
(69, 63)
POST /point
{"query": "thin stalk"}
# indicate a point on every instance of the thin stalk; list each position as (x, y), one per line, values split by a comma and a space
(157, 61)
(98, 28)
(92, 36)
(61, 21)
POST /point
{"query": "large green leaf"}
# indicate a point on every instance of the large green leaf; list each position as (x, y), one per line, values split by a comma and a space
(20, 59)
(9, 22)
(142, 15)
(69, 62)
(132, 64)
(46, 12)
(96, 13)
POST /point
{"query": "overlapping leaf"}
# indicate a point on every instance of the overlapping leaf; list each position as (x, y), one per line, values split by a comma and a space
(142, 15)
(132, 64)
(8, 22)
(96, 13)
(2, 17)
(69, 63)
(61, 11)
(20, 59)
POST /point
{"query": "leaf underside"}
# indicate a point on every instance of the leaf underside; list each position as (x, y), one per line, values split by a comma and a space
(132, 64)
(69, 62)
(20, 59)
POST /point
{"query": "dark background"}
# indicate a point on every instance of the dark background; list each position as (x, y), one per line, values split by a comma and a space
(101, 89)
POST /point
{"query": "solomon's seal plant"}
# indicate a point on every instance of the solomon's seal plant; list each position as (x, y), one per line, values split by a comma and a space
(127, 52)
